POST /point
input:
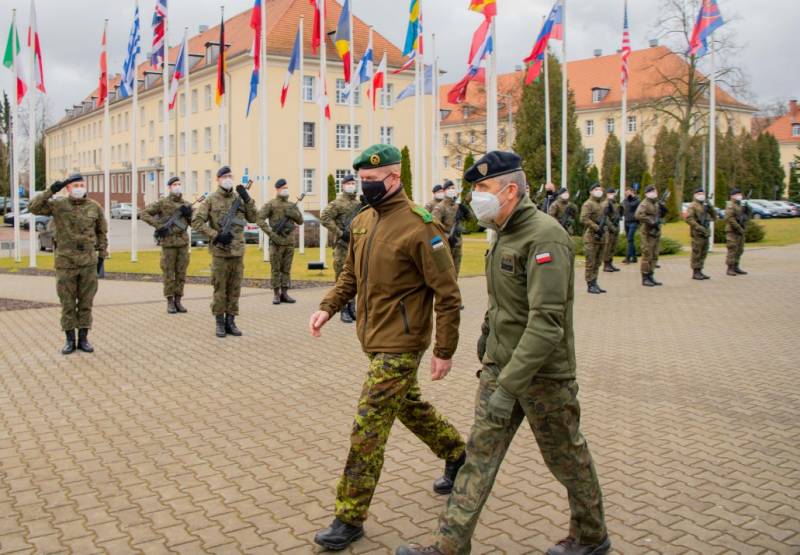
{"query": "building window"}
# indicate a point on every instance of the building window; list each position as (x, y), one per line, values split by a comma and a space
(309, 134)
(796, 130)
(339, 177)
(160, 110)
(610, 125)
(459, 162)
(161, 148)
(387, 135)
(599, 94)
(344, 138)
(341, 96)
(458, 137)
(631, 124)
(207, 97)
(194, 181)
(195, 101)
(142, 150)
(308, 88)
(387, 95)
(590, 156)
(183, 143)
(207, 179)
(446, 139)
(195, 141)
(141, 116)
(466, 111)
(207, 139)
(589, 127)
(445, 162)
(151, 130)
(308, 181)
(126, 121)
(113, 127)
(182, 104)
(472, 136)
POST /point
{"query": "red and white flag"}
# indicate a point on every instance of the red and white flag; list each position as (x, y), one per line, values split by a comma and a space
(33, 42)
(315, 34)
(378, 81)
(181, 71)
(102, 88)
(322, 96)
(626, 49)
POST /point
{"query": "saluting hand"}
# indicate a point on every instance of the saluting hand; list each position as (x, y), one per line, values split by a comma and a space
(440, 368)
(318, 319)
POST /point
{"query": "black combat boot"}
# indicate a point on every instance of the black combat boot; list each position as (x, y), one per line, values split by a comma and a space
(634, 260)
(351, 308)
(178, 306)
(345, 314)
(613, 268)
(570, 546)
(444, 485)
(69, 346)
(739, 271)
(647, 280)
(704, 276)
(285, 298)
(607, 267)
(731, 272)
(338, 535)
(653, 279)
(593, 288)
(230, 326)
(83, 341)
(220, 325)
(171, 305)
(698, 275)
(416, 549)
(276, 298)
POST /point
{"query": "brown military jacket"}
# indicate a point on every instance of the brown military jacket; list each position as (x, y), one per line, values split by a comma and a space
(271, 215)
(698, 216)
(208, 219)
(648, 214)
(445, 212)
(734, 215)
(81, 231)
(157, 214)
(591, 213)
(398, 262)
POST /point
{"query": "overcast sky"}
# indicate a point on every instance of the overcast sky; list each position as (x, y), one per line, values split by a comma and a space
(70, 35)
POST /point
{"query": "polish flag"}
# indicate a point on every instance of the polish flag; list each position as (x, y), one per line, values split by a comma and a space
(378, 81)
(33, 42)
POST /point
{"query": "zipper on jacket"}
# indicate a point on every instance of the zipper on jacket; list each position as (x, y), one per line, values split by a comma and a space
(366, 274)
(403, 313)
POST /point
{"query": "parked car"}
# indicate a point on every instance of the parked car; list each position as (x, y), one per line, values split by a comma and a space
(40, 225)
(46, 239)
(761, 209)
(122, 211)
(685, 210)
(794, 210)
(7, 204)
(251, 233)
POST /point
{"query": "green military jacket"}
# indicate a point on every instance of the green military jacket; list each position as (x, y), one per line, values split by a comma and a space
(157, 214)
(530, 274)
(272, 213)
(591, 213)
(338, 214)
(81, 230)
(446, 212)
(735, 218)
(565, 212)
(698, 216)
(649, 215)
(208, 220)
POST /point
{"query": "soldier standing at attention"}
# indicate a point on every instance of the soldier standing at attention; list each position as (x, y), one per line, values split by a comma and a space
(614, 213)
(397, 264)
(649, 214)
(438, 196)
(699, 215)
(337, 218)
(629, 206)
(564, 211)
(595, 228)
(736, 216)
(278, 218)
(447, 213)
(80, 239)
(527, 352)
(222, 218)
(171, 216)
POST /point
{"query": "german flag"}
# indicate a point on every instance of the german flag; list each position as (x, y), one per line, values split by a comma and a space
(221, 64)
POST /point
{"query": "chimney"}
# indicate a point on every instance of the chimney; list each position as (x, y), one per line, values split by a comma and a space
(653, 43)
(518, 67)
(793, 106)
(598, 52)
(202, 28)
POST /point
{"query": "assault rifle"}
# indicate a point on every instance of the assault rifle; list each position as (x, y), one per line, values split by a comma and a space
(602, 224)
(175, 220)
(285, 225)
(229, 219)
(455, 231)
(567, 220)
(747, 212)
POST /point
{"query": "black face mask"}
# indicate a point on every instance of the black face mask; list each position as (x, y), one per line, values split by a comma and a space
(374, 191)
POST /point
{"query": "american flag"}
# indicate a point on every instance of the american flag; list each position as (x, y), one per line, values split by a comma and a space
(626, 48)
(159, 25)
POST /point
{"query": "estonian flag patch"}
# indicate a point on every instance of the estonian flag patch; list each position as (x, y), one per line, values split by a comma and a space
(543, 258)
(437, 243)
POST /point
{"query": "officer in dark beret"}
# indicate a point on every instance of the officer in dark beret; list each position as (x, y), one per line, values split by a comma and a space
(438, 196)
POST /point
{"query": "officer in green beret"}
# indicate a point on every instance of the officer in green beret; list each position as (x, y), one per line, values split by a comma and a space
(527, 352)
(398, 263)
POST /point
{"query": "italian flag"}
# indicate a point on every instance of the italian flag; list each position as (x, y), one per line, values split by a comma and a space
(13, 61)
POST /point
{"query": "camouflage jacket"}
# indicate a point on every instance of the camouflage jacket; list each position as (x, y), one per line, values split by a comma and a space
(614, 215)
(649, 215)
(591, 215)
(81, 231)
(446, 212)
(735, 218)
(698, 216)
(565, 212)
(272, 213)
(338, 213)
(429, 206)
(157, 214)
(208, 220)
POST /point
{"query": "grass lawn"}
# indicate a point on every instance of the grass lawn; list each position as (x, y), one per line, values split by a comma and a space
(779, 232)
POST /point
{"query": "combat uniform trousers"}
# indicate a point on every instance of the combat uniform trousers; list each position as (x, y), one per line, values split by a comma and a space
(649, 245)
(594, 254)
(456, 252)
(553, 413)
(280, 260)
(735, 244)
(611, 245)
(174, 262)
(339, 256)
(226, 277)
(390, 391)
(700, 244)
(76, 288)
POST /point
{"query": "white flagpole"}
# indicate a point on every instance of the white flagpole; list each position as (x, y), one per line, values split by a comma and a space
(263, 129)
(106, 147)
(352, 84)
(15, 146)
(187, 107)
(564, 96)
(385, 93)
(134, 173)
(300, 148)
(547, 143)
(623, 142)
(31, 141)
(165, 127)
(370, 112)
(417, 184)
(491, 93)
(712, 141)
(435, 113)
(424, 141)
(323, 132)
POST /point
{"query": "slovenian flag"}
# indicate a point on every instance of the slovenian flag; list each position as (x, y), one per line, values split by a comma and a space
(552, 29)
(294, 64)
(12, 59)
(344, 38)
(181, 71)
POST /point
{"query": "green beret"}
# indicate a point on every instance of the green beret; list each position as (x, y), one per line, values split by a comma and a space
(377, 156)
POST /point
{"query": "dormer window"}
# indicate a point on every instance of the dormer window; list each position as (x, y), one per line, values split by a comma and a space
(599, 94)
(466, 111)
(796, 130)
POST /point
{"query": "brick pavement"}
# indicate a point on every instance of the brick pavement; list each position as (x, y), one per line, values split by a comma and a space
(170, 440)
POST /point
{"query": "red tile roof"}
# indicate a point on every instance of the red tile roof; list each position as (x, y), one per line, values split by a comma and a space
(781, 128)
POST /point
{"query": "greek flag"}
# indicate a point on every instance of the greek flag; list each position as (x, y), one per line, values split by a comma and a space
(129, 77)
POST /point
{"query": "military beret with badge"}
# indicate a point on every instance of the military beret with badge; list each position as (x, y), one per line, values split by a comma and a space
(377, 156)
(493, 164)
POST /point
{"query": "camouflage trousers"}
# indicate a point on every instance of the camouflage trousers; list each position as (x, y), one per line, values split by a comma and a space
(735, 244)
(610, 246)
(649, 245)
(339, 256)
(700, 245)
(226, 277)
(280, 261)
(390, 391)
(457, 252)
(76, 289)
(174, 262)
(594, 253)
(553, 413)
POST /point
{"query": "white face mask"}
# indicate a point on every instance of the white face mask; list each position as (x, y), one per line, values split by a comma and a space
(438, 196)
(349, 189)
(283, 193)
(451, 193)
(486, 206)
(226, 184)
(597, 193)
(651, 195)
(176, 189)
(564, 196)
(78, 192)
(738, 198)
(700, 198)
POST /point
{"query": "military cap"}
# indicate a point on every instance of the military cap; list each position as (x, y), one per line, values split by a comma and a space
(594, 186)
(611, 191)
(698, 190)
(224, 170)
(173, 179)
(348, 178)
(437, 188)
(447, 184)
(280, 183)
(74, 178)
(735, 191)
(563, 190)
(493, 164)
(377, 156)
(650, 188)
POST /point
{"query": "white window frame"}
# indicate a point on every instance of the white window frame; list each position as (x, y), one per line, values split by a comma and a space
(341, 100)
(611, 125)
(796, 130)
(309, 88)
(207, 97)
(387, 135)
(207, 179)
(387, 96)
(195, 141)
(195, 101)
(309, 134)
(207, 139)
(590, 156)
(589, 126)
(631, 124)
(309, 178)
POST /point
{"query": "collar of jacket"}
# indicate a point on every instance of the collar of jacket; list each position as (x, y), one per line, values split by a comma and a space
(524, 208)
(176, 197)
(77, 200)
(348, 196)
(651, 200)
(224, 192)
(598, 200)
(393, 203)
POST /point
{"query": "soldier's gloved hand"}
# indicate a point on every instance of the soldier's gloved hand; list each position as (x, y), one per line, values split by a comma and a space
(500, 406)
(56, 187)
(243, 193)
(186, 211)
(162, 232)
(225, 238)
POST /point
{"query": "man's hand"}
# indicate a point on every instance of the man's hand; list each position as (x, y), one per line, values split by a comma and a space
(225, 238)
(162, 232)
(186, 211)
(500, 406)
(56, 187)
(243, 193)
(440, 367)
(317, 320)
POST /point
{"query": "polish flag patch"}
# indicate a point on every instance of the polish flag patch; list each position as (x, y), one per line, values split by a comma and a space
(543, 258)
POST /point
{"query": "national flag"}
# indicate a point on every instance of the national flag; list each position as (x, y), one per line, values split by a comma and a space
(364, 69)
(33, 43)
(181, 71)
(626, 48)
(102, 88)
(13, 59)
(551, 30)
(408, 64)
(315, 34)
(378, 81)
(221, 65)
(294, 64)
(427, 85)
(543, 258)
(344, 38)
(708, 20)
(159, 32)
(322, 96)
(487, 7)
(414, 33)
(255, 24)
(479, 50)
(129, 78)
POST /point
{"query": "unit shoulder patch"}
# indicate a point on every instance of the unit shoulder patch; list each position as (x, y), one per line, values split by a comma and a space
(420, 211)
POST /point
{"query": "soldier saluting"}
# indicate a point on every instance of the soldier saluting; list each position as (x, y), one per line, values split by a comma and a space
(222, 218)
(81, 238)
(171, 216)
(337, 218)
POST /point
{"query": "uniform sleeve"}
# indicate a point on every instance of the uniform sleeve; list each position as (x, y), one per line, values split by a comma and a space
(345, 287)
(295, 215)
(730, 217)
(439, 273)
(250, 213)
(200, 221)
(691, 219)
(436, 212)
(586, 217)
(548, 294)
(150, 212)
(328, 218)
(643, 216)
(553, 210)
(101, 232)
(40, 205)
(262, 217)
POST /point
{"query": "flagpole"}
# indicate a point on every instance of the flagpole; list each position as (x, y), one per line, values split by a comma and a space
(323, 132)
(15, 147)
(106, 147)
(134, 180)
(385, 93)
(417, 185)
(300, 148)
(435, 113)
(31, 139)
(222, 158)
(548, 148)
(491, 93)
(165, 127)
(370, 113)
(564, 96)
(351, 96)
(424, 141)
(712, 140)
(189, 187)
(263, 119)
